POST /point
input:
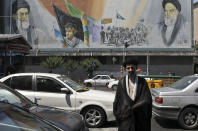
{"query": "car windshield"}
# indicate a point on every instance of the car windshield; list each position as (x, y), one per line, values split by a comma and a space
(183, 83)
(13, 118)
(13, 97)
(96, 77)
(74, 85)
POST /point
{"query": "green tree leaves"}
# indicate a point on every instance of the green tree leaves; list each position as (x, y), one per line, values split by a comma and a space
(90, 64)
(53, 63)
(71, 65)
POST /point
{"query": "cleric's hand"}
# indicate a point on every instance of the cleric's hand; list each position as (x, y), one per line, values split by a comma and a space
(136, 105)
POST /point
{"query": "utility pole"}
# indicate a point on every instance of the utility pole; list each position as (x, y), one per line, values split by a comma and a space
(126, 45)
(147, 63)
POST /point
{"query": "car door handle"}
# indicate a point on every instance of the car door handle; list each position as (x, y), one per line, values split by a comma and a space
(38, 98)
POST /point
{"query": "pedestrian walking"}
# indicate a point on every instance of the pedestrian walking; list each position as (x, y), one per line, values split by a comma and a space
(132, 105)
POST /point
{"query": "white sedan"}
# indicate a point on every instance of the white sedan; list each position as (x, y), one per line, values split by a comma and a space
(113, 85)
(60, 91)
(98, 80)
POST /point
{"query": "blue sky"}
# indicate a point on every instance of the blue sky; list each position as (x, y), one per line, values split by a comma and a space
(195, 0)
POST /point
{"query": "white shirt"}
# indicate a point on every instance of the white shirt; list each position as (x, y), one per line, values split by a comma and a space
(134, 86)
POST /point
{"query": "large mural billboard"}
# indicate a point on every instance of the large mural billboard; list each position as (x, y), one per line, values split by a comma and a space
(99, 24)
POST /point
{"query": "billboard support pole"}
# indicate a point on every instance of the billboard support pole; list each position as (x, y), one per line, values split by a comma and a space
(147, 63)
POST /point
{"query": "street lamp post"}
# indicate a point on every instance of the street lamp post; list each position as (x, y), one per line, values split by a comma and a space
(126, 45)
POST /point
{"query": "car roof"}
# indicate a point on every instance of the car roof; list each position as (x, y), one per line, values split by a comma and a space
(41, 74)
(195, 75)
(102, 75)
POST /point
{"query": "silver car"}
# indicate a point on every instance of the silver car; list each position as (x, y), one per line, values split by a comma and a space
(179, 101)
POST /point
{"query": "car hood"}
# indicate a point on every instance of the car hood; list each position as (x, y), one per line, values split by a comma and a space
(157, 91)
(65, 120)
(99, 95)
(115, 81)
(88, 80)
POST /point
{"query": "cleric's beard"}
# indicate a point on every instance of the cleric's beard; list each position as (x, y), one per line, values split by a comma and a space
(23, 25)
(170, 21)
(132, 75)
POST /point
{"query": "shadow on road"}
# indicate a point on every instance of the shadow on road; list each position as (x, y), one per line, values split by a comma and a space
(110, 124)
(168, 124)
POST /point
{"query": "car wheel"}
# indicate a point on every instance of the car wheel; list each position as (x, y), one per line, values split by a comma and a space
(94, 116)
(188, 118)
(114, 87)
(89, 84)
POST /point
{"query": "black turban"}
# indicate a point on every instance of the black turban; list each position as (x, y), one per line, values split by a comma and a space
(19, 4)
(174, 2)
(130, 62)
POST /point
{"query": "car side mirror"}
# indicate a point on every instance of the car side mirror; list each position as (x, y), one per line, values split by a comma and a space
(35, 100)
(196, 91)
(66, 90)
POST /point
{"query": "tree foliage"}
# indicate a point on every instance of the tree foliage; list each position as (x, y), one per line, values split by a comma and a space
(71, 65)
(52, 62)
(90, 64)
(196, 46)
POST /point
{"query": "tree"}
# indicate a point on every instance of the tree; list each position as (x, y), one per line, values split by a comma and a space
(196, 46)
(52, 63)
(70, 65)
(90, 65)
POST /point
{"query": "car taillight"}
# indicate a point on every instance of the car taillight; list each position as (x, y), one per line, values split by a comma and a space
(159, 100)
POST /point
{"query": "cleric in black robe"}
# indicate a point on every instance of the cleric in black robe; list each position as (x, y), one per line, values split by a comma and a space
(132, 106)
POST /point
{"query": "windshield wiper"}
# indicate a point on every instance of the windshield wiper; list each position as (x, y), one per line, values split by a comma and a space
(4, 101)
(28, 105)
(82, 89)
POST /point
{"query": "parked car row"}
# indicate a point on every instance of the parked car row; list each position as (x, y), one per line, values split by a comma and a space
(154, 81)
(52, 94)
(59, 91)
(22, 113)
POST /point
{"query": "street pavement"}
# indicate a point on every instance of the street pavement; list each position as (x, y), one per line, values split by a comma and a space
(156, 124)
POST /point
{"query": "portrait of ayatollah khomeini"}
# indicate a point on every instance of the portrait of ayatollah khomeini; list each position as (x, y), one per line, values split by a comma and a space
(173, 24)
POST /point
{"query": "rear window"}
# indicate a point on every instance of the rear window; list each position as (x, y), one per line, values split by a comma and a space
(183, 83)
(21, 82)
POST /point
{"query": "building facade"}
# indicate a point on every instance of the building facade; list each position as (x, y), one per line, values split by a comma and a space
(107, 30)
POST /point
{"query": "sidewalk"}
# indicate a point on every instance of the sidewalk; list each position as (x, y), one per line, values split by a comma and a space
(103, 129)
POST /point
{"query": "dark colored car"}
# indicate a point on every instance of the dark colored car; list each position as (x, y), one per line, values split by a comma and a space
(14, 118)
(69, 121)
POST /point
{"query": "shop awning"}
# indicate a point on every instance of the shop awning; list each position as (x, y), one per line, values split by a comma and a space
(14, 42)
